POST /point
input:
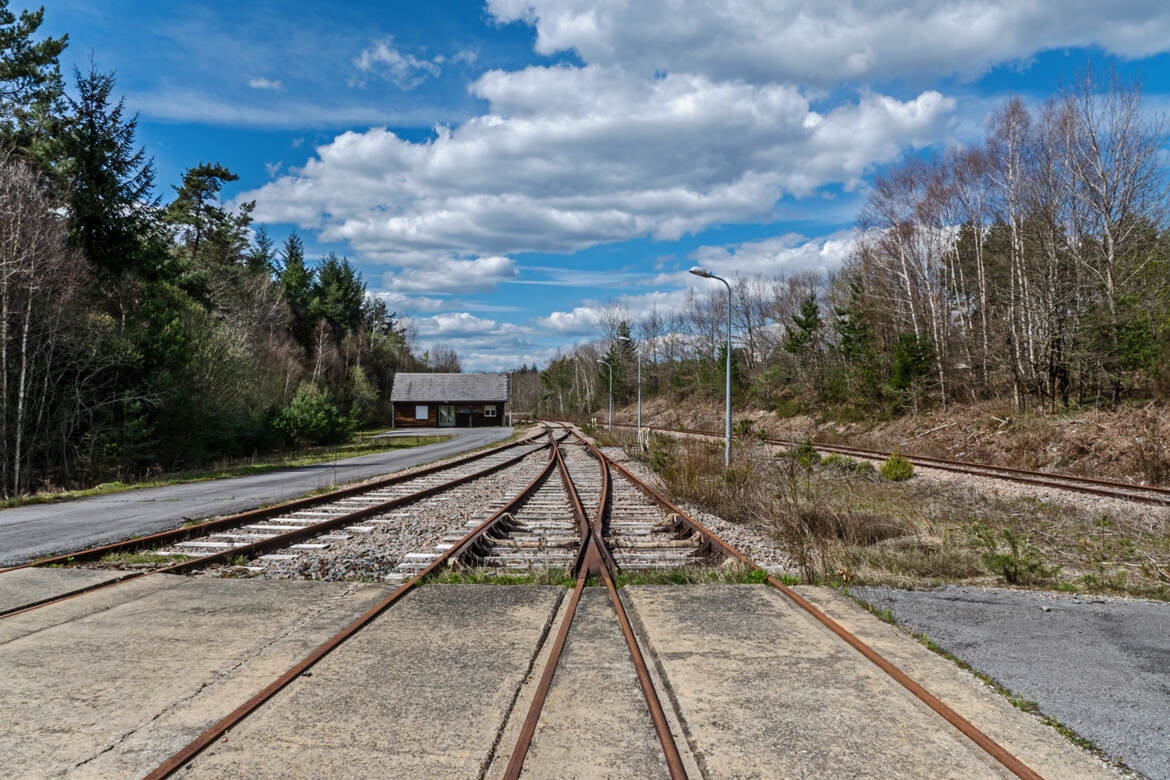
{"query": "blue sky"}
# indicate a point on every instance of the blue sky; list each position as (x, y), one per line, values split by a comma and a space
(500, 170)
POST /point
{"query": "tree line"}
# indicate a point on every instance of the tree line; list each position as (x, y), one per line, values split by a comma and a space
(139, 334)
(1032, 267)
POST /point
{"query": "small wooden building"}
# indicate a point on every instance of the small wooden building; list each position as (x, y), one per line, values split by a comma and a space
(449, 400)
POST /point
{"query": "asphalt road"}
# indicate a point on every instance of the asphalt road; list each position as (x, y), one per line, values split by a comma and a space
(35, 531)
(1100, 666)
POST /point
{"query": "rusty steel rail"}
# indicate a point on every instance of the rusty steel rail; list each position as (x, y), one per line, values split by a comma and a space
(200, 743)
(186, 532)
(968, 729)
(1123, 491)
(291, 537)
(596, 560)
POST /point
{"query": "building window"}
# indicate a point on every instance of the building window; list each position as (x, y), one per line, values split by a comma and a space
(420, 412)
(489, 411)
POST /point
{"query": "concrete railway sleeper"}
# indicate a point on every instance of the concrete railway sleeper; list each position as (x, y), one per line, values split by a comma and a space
(1125, 491)
(298, 525)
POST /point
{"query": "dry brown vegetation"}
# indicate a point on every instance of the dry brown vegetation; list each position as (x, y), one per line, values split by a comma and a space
(844, 527)
(1130, 443)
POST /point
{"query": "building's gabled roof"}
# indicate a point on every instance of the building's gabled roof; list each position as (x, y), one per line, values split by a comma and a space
(439, 388)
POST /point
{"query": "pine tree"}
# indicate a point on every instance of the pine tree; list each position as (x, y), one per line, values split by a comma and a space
(195, 203)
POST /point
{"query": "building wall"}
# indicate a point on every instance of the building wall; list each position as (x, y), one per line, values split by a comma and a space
(473, 415)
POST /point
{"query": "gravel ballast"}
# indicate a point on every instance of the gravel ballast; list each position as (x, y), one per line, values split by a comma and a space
(1099, 665)
(416, 528)
(750, 541)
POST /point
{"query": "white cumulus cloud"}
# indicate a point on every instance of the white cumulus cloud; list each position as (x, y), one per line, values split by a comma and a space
(780, 255)
(452, 275)
(833, 40)
(569, 157)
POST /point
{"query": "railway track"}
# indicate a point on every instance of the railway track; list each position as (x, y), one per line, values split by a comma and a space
(586, 513)
(1126, 491)
(282, 533)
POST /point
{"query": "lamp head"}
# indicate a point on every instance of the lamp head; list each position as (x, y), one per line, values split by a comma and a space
(699, 270)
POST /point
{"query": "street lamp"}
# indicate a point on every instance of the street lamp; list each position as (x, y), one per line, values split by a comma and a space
(509, 399)
(699, 270)
(638, 354)
(610, 367)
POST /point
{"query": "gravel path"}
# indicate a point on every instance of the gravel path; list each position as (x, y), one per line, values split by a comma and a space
(1099, 665)
(414, 528)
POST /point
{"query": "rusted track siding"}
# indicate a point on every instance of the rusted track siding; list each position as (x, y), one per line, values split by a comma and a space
(254, 515)
(281, 540)
(993, 748)
(208, 737)
(1125, 491)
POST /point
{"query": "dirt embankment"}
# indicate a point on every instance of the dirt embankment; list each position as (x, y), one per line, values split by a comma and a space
(1130, 443)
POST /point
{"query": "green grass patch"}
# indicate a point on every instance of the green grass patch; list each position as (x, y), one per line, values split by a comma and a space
(235, 468)
(128, 557)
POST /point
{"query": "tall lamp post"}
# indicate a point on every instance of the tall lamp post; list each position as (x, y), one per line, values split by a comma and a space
(638, 354)
(509, 399)
(610, 367)
(699, 270)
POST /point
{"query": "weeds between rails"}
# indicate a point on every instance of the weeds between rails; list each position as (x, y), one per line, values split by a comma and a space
(844, 525)
(731, 574)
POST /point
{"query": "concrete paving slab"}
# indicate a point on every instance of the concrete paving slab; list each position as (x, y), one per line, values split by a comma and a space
(422, 692)
(127, 676)
(765, 690)
(1099, 665)
(42, 618)
(595, 721)
(27, 586)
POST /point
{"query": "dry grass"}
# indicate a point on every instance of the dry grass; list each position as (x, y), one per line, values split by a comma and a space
(844, 527)
(1129, 443)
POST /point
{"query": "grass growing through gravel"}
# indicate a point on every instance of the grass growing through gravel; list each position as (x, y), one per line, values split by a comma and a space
(550, 576)
(736, 574)
(844, 525)
(239, 467)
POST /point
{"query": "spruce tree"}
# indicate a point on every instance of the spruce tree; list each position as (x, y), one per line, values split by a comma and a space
(802, 336)
(30, 86)
(338, 294)
(296, 284)
(111, 205)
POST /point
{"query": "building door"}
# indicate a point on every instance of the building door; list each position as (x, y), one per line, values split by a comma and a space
(446, 416)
